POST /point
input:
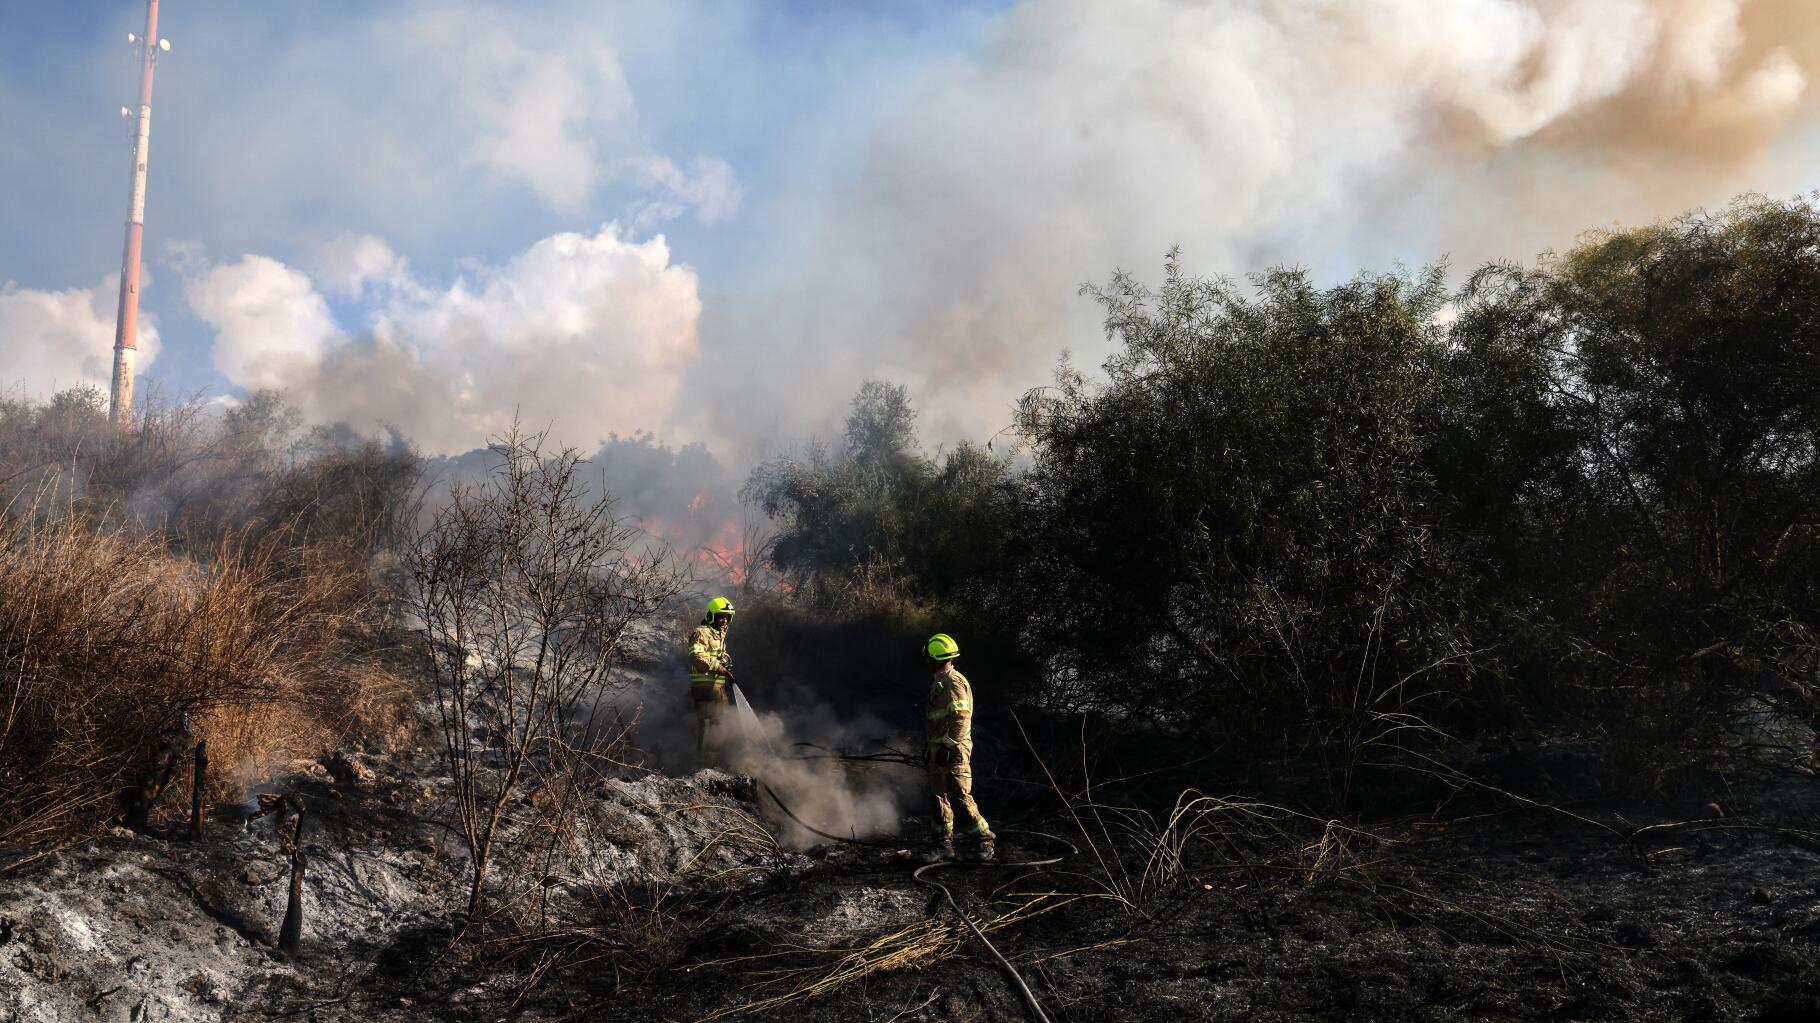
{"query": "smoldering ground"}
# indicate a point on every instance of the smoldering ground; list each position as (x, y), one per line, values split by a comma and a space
(809, 792)
(790, 742)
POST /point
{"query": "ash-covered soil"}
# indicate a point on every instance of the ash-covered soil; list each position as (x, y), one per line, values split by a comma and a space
(1513, 917)
(1509, 915)
(140, 927)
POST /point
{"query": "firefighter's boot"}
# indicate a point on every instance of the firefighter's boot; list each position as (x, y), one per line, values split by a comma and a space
(941, 848)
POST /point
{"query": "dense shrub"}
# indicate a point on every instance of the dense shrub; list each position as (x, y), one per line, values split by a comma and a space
(883, 543)
(1236, 522)
(1580, 493)
(1636, 454)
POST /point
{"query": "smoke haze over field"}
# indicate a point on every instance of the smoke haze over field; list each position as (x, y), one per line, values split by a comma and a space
(1085, 136)
(713, 224)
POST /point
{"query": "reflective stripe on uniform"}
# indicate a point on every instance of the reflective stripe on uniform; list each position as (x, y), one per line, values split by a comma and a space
(942, 712)
(944, 741)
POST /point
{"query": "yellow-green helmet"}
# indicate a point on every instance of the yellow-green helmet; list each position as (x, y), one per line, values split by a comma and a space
(942, 647)
(717, 606)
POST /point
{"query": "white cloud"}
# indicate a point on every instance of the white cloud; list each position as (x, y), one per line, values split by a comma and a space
(271, 325)
(349, 264)
(51, 340)
(588, 333)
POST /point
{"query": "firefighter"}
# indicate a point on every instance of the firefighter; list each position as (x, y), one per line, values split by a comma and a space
(949, 754)
(710, 674)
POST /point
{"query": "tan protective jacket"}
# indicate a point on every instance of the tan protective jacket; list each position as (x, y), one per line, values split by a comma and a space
(707, 656)
(949, 712)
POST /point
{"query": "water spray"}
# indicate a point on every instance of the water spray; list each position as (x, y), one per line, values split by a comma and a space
(752, 733)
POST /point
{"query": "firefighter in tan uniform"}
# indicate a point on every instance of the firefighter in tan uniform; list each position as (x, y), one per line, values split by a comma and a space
(710, 675)
(949, 714)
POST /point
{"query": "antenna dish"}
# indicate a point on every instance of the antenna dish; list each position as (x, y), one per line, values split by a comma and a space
(131, 38)
(165, 45)
(124, 112)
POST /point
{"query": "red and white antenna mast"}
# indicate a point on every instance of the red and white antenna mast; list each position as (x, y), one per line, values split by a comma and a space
(126, 324)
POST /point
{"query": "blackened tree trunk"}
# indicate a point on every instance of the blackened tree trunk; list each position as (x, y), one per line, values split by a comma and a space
(157, 775)
(197, 783)
(290, 934)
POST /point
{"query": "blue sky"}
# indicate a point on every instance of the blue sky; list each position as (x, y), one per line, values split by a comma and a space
(712, 219)
(724, 81)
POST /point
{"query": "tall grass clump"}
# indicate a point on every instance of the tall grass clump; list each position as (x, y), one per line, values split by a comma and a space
(193, 574)
(109, 644)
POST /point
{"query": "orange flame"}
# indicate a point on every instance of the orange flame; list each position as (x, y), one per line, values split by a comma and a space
(721, 554)
(725, 551)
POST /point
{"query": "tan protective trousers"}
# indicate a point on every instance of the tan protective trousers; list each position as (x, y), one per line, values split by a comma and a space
(954, 784)
(711, 705)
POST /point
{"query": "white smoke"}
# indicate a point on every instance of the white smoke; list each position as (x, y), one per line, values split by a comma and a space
(812, 790)
(934, 228)
(590, 332)
(51, 340)
(348, 265)
(1087, 136)
(709, 188)
(540, 115)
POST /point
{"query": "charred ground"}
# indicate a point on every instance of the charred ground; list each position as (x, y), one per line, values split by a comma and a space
(1486, 910)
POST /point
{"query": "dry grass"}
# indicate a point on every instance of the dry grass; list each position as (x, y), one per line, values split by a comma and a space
(630, 935)
(917, 946)
(214, 565)
(110, 642)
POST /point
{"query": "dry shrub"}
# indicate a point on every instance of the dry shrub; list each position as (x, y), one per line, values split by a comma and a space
(109, 642)
(356, 705)
(525, 585)
(628, 933)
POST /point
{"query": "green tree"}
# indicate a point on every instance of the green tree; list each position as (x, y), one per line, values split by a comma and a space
(1673, 540)
(1236, 523)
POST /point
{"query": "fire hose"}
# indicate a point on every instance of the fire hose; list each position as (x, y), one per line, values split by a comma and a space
(920, 875)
